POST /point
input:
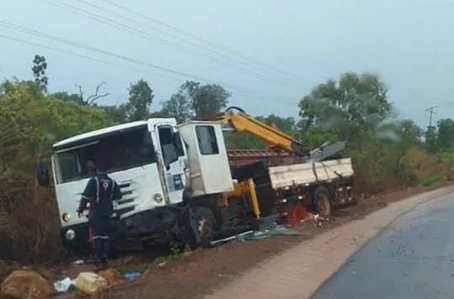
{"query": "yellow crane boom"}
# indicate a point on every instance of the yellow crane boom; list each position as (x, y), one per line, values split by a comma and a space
(242, 122)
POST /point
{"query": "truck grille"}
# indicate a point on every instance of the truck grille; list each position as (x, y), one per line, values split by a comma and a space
(126, 204)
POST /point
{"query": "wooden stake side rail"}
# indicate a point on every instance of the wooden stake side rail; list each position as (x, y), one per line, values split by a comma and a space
(240, 157)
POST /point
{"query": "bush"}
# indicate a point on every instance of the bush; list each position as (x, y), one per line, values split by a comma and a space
(434, 180)
(29, 227)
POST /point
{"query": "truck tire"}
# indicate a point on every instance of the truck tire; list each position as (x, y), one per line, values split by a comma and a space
(321, 201)
(202, 224)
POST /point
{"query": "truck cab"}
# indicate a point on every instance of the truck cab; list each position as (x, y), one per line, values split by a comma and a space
(155, 162)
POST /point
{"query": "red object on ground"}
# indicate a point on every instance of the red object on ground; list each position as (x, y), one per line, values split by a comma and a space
(296, 214)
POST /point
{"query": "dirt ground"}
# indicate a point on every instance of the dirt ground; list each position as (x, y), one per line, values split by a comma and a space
(199, 273)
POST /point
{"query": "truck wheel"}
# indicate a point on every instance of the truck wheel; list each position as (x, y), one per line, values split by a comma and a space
(322, 201)
(202, 227)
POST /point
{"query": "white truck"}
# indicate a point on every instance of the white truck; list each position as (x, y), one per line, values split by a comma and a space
(177, 183)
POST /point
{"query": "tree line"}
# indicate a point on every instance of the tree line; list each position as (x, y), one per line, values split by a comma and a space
(387, 152)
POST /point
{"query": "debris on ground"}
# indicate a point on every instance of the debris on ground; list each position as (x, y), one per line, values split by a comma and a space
(64, 285)
(316, 218)
(162, 264)
(284, 231)
(132, 275)
(258, 235)
(78, 262)
(25, 284)
(91, 283)
(234, 237)
(112, 276)
(74, 270)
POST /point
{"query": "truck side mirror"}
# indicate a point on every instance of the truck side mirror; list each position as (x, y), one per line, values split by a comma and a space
(42, 174)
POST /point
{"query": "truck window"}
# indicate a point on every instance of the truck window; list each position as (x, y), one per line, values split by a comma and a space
(206, 137)
(68, 165)
(166, 137)
(123, 150)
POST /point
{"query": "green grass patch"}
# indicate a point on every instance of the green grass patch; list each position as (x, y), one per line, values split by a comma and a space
(436, 179)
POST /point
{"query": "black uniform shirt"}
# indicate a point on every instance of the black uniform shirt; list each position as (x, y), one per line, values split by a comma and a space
(101, 190)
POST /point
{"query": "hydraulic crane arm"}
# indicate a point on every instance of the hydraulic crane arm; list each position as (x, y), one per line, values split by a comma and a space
(242, 122)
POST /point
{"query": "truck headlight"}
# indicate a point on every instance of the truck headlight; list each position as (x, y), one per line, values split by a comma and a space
(70, 235)
(66, 217)
(158, 198)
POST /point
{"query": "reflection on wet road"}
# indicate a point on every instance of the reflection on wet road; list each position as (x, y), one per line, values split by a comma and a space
(412, 259)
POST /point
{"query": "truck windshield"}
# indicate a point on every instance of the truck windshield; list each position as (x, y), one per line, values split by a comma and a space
(123, 150)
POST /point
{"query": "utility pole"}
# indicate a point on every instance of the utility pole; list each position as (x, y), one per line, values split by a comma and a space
(431, 113)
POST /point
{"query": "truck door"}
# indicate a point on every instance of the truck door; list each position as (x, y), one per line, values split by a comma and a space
(174, 160)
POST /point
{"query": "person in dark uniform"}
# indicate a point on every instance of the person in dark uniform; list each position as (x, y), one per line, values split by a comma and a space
(91, 166)
(100, 192)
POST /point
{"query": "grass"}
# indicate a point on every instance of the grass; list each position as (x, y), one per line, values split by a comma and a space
(434, 180)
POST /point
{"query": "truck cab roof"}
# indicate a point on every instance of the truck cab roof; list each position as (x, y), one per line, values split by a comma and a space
(94, 135)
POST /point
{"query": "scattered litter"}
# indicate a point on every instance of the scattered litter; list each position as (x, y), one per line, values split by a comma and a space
(283, 230)
(111, 275)
(132, 275)
(78, 262)
(258, 235)
(162, 264)
(90, 283)
(239, 237)
(64, 285)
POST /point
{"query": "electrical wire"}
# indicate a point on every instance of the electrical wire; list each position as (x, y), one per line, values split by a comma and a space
(140, 33)
(9, 25)
(186, 33)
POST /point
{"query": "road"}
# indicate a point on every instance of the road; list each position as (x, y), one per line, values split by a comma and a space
(416, 238)
(413, 258)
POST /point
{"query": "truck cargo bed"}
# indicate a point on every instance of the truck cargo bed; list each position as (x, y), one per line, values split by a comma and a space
(309, 172)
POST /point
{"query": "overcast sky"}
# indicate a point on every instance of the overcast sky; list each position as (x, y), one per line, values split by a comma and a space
(302, 43)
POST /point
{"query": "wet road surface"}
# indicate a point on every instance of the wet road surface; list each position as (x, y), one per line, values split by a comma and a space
(413, 258)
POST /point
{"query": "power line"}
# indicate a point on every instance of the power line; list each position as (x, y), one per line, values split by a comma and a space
(153, 20)
(240, 90)
(146, 35)
(431, 113)
(70, 53)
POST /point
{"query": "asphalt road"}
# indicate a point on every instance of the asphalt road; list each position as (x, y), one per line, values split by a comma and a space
(413, 258)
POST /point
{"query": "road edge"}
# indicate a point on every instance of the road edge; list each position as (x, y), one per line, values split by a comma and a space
(300, 276)
(446, 190)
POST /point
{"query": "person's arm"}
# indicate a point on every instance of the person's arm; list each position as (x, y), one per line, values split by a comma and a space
(88, 193)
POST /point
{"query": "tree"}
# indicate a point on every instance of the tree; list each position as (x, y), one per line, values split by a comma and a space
(196, 101)
(93, 98)
(430, 137)
(140, 99)
(67, 97)
(177, 107)
(410, 132)
(285, 124)
(354, 102)
(117, 114)
(242, 140)
(39, 71)
(41, 119)
(445, 134)
(206, 100)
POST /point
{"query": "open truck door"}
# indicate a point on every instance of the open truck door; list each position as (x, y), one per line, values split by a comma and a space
(171, 156)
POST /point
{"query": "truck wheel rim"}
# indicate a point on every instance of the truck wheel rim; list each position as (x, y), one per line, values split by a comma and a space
(323, 205)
